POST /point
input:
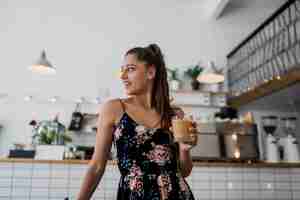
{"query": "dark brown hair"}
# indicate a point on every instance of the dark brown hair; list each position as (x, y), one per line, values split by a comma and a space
(160, 99)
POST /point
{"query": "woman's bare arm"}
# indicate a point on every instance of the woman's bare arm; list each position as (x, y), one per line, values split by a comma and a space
(186, 163)
(105, 128)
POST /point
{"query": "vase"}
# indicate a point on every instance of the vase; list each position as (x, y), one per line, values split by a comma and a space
(195, 84)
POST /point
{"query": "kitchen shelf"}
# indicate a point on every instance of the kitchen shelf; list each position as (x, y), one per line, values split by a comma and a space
(198, 98)
(89, 124)
(290, 78)
(195, 92)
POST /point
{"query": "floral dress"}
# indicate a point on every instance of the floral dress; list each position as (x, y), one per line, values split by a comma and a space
(147, 163)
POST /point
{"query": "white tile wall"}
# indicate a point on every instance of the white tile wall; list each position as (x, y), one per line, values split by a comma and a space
(58, 181)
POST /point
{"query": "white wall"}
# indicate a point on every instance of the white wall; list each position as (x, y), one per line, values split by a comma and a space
(86, 40)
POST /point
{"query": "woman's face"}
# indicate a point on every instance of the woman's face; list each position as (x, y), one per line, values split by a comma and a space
(136, 76)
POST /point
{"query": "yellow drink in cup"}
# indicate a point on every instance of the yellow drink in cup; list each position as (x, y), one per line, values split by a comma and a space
(182, 130)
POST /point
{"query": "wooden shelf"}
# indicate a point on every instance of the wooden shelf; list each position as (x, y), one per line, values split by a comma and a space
(199, 98)
(197, 92)
(292, 77)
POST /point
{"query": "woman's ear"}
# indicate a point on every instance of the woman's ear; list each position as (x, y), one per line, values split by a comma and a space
(151, 71)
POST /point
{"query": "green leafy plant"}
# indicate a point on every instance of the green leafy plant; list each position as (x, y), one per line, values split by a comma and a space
(46, 137)
(49, 132)
(193, 72)
(49, 137)
(172, 74)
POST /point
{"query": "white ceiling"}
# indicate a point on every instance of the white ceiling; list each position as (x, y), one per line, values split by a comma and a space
(237, 6)
(221, 8)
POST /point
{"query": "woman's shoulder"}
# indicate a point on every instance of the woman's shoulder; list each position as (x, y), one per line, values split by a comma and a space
(112, 105)
(111, 108)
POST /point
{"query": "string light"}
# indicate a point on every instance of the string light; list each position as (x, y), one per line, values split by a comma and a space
(80, 100)
(97, 100)
(234, 137)
(237, 153)
(27, 98)
(53, 100)
(57, 99)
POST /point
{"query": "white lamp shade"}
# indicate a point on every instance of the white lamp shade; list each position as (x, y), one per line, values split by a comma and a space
(210, 75)
(42, 65)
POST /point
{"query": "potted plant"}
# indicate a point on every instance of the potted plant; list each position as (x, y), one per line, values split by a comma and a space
(193, 72)
(173, 79)
(49, 139)
(50, 133)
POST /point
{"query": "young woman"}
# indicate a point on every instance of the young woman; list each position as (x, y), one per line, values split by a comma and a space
(152, 166)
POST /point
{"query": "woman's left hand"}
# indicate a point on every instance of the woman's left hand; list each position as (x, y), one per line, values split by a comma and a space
(186, 146)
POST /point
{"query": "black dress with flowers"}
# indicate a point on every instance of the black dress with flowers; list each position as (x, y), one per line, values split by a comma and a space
(147, 163)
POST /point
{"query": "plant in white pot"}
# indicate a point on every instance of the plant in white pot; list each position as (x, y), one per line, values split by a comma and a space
(49, 139)
(50, 133)
(173, 79)
(193, 72)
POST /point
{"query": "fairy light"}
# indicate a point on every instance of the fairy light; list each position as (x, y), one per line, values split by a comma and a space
(234, 137)
(237, 153)
(269, 185)
(97, 100)
(28, 98)
(230, 185)
(53, 99)
(80, 100)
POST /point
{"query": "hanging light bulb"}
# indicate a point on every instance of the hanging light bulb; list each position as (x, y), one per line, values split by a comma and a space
(27, 98)
(97, 100)
(53, 99)
(43, 65)
(80, 100)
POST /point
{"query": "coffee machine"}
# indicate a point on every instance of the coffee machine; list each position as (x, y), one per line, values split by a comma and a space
(283, 146)
(289, 143)
(271, 143)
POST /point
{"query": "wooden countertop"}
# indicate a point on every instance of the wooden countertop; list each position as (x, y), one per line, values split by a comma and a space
(196, 163)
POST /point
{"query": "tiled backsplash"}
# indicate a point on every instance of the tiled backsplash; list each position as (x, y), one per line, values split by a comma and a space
(41, 181)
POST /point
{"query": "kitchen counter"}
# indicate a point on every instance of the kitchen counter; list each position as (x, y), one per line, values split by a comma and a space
(60, 179)
(197, 163)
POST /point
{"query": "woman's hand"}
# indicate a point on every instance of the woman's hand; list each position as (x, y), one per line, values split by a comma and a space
(186, 146)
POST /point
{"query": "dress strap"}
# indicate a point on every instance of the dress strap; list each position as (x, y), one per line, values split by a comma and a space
(123, 105)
